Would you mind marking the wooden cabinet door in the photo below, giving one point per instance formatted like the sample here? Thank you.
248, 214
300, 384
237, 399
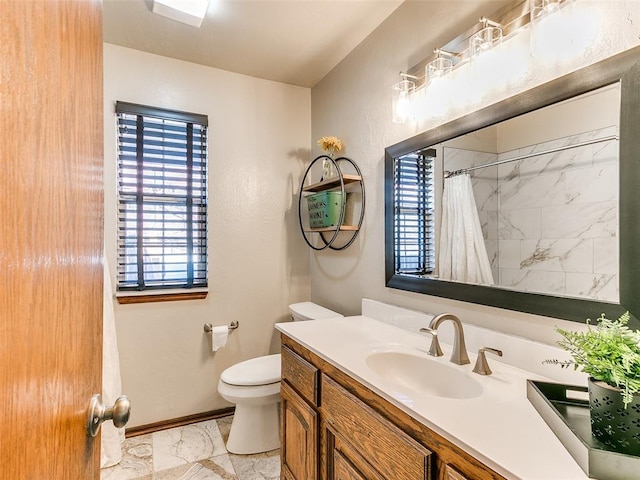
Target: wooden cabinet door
342, 460
344, 470
299, 442
51, 161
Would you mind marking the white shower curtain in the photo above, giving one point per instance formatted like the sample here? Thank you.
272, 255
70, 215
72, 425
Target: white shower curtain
112, 437
463, 254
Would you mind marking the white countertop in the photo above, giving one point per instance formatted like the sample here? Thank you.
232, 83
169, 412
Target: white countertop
500, 427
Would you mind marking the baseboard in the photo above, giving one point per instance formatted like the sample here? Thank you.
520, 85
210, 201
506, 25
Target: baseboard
177, 422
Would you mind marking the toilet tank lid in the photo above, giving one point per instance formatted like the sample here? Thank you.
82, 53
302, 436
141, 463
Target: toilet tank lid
255, 371
312, 311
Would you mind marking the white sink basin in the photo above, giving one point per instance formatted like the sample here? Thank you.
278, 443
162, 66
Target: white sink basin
420, 373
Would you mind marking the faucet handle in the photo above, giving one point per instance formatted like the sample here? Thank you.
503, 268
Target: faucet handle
482, 366
434, 349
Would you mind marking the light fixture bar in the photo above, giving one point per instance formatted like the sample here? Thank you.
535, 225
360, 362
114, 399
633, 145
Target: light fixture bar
511, 19
443, 53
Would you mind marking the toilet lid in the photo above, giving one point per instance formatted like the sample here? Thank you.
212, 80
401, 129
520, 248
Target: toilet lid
256, 371
311, 311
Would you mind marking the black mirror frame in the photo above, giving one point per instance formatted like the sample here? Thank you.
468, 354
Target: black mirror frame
623, 68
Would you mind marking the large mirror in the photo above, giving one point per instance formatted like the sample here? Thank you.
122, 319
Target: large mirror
529, 204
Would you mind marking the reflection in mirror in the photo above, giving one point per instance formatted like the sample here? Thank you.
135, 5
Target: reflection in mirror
546, 181
544, 189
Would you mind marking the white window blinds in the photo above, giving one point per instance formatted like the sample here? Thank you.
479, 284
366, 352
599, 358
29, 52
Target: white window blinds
414, 213
162, 198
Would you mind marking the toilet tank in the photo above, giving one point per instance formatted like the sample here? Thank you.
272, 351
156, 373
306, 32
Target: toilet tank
310, 311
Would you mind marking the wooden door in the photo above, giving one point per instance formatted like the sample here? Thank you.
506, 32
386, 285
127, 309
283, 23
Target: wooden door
299, 431
51, 224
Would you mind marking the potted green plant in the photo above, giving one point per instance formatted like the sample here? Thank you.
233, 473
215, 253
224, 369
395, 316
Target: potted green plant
610, 354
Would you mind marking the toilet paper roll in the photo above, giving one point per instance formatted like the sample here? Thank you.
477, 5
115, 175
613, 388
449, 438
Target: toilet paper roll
219, 337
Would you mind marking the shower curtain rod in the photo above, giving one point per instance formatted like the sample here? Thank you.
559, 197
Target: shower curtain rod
448, 174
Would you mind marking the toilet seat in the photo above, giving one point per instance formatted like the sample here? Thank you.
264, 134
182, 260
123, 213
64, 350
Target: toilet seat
250, 395
253, 372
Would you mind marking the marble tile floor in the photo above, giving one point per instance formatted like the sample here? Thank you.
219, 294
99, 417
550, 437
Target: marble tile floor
192, 452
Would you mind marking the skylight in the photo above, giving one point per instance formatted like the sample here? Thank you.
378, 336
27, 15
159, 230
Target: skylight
191, 12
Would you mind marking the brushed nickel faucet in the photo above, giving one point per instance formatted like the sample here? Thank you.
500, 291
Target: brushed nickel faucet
434, 349
482, 366
459, 354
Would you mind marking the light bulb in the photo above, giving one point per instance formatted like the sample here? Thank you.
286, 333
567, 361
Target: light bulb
484, 40
549, 34
438, 68
402, 104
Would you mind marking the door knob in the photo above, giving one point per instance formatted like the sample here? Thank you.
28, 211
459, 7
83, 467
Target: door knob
98, 413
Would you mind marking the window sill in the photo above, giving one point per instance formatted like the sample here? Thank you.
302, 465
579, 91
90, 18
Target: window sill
160, 297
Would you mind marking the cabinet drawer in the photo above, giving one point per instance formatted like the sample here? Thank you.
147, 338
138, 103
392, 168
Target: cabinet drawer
301, 375
394, 454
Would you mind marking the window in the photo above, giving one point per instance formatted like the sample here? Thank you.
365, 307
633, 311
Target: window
413, 205
162, 198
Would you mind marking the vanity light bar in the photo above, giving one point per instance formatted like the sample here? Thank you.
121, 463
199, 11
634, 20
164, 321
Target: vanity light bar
511, 19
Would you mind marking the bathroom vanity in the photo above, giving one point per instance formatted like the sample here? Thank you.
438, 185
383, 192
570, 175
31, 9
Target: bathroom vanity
346, 415
335, 427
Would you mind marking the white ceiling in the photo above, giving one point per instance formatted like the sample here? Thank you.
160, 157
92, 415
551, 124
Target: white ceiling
292, 41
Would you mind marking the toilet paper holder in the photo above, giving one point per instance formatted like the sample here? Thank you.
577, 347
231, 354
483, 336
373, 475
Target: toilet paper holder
208, 328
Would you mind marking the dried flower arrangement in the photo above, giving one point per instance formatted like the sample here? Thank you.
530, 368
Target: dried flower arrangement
331, 145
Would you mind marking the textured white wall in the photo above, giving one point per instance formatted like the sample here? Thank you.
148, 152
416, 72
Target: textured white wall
353, 102
258, 263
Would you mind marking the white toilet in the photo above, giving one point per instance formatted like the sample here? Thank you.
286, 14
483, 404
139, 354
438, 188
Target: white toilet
254, 386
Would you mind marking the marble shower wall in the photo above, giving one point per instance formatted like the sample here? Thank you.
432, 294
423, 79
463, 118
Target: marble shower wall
485, 193
550, 222
558, 218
